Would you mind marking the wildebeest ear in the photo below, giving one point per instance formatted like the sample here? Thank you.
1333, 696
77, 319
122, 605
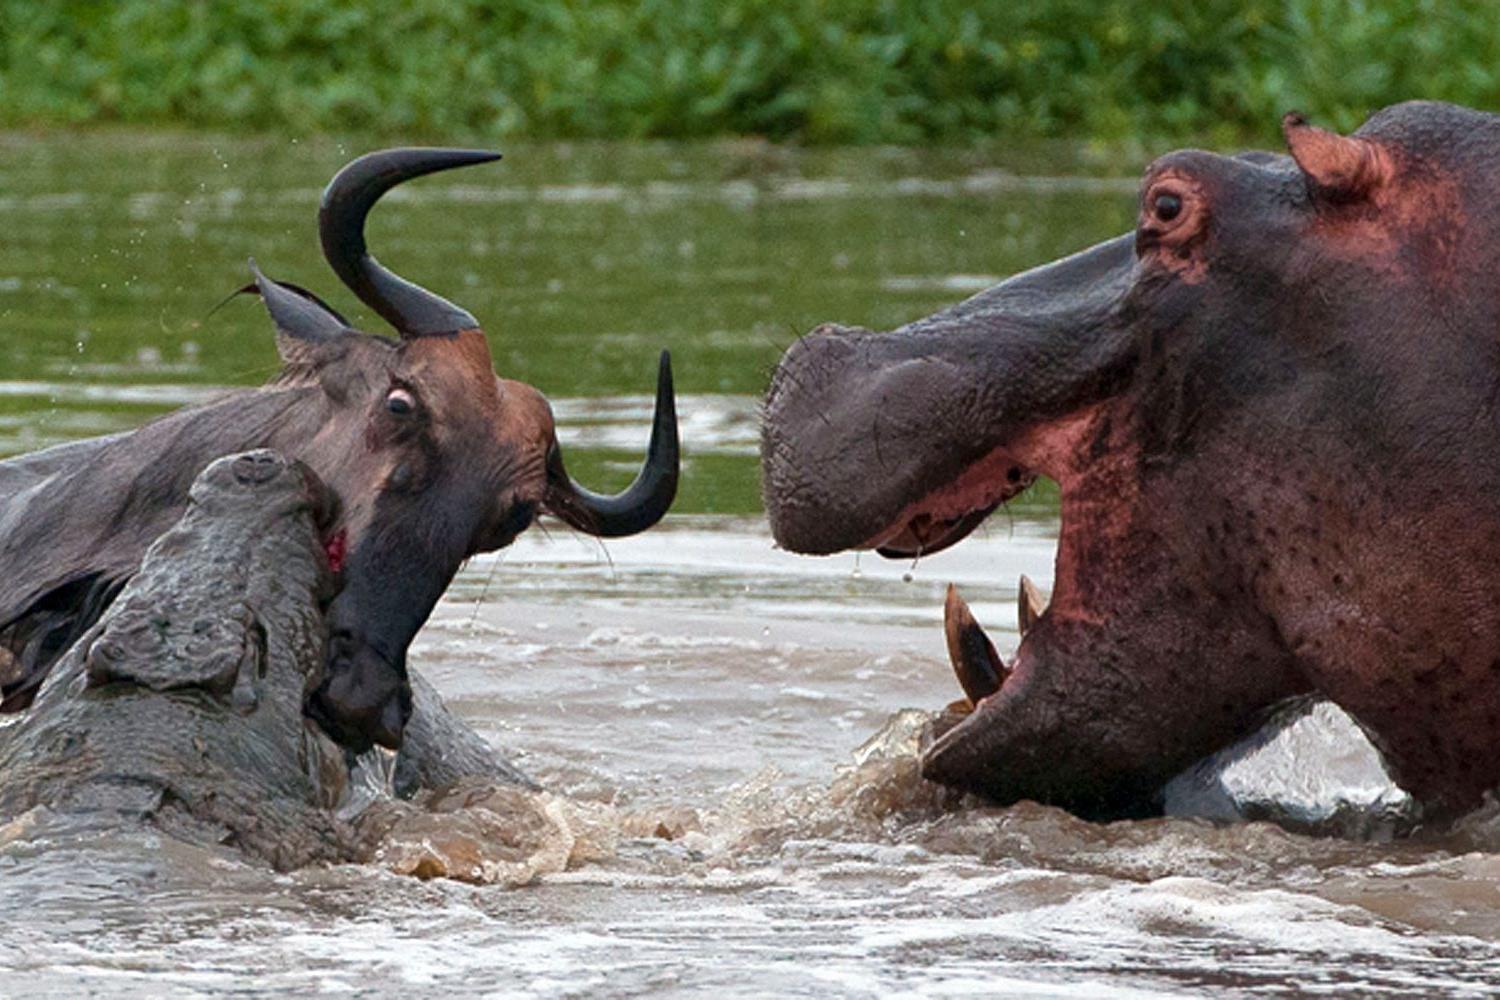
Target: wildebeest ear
1338, 168
303, 321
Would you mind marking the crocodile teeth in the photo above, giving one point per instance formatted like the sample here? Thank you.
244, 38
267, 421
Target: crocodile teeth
979, 668
1029, 604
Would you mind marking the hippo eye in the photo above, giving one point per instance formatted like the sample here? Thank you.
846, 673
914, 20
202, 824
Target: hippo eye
1167, 206
400, 402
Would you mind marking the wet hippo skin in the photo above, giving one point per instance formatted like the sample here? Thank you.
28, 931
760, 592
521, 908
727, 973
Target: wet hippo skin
1273, 413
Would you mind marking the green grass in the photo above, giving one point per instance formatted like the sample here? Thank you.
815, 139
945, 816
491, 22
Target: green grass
822, 71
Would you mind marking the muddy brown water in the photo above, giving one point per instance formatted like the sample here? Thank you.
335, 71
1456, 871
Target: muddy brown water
724, 730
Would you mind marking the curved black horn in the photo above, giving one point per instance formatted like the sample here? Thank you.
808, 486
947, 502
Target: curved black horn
410, 308
644, 501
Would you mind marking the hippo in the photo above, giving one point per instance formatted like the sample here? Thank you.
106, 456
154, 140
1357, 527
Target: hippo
182, 707
1273, 412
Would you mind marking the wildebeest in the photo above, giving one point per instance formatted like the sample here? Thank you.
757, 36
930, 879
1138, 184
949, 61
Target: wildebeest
432, 456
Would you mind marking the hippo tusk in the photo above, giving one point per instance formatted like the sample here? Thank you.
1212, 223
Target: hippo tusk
980, 670
1029, 604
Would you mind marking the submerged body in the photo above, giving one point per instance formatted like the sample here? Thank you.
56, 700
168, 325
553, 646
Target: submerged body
1272, 414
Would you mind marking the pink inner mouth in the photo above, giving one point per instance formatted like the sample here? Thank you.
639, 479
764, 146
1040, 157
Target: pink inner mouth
991, 481
336, 547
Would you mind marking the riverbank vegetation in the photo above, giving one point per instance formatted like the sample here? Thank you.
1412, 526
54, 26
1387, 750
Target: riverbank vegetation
816, 71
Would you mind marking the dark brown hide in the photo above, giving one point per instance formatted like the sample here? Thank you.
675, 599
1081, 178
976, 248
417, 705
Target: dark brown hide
1272, 412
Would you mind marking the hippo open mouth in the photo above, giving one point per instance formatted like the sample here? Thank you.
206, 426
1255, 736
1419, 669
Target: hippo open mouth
905, 442
1270, 413
949, 513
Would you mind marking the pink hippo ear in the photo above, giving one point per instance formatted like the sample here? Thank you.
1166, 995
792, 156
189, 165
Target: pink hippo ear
1338, 168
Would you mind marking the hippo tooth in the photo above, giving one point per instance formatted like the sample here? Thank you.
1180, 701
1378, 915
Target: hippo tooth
979, 668
1029, 604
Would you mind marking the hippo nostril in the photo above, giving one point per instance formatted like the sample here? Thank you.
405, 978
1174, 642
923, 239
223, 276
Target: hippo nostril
1013, 474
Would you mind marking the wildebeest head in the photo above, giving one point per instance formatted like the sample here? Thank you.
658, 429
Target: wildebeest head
434, 457
1271, 413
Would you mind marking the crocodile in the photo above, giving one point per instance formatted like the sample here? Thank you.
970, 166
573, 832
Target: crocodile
183, 706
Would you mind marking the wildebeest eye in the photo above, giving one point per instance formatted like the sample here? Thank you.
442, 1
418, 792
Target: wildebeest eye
1167, 206
400, 402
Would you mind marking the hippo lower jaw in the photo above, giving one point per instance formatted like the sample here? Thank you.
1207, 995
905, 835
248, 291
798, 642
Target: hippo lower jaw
957, 747
982, 674
1068, 717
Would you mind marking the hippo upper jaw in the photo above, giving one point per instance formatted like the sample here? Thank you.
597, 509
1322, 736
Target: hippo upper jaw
903, 441
949, 513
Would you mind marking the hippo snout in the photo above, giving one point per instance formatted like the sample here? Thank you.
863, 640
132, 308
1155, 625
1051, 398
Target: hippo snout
798, 444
